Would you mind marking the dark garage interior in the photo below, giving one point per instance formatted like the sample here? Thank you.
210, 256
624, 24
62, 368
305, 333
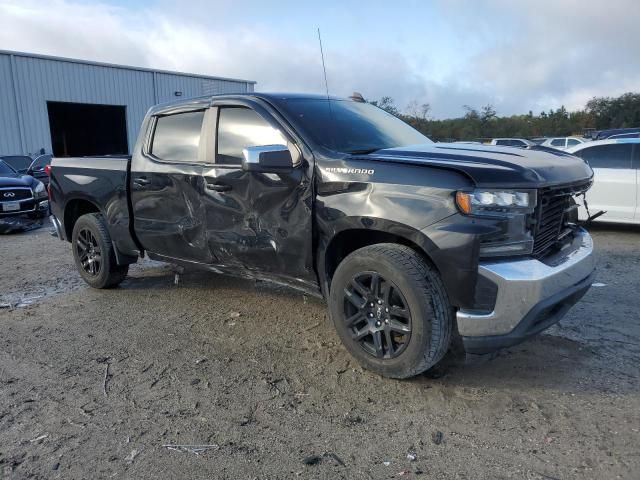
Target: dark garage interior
79, 129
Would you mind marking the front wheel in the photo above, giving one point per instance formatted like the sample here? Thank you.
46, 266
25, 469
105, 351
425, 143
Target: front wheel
93, 253
390, 310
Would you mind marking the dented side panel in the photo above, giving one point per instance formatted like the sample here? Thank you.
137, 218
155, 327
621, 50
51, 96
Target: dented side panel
168, 212
262, 224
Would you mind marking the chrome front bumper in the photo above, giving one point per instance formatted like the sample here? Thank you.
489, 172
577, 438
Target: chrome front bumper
529, 290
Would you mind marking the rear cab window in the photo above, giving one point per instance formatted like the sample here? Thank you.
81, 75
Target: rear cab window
176, 137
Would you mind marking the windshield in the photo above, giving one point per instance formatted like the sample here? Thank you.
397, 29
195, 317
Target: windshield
5, 169
18, 162
350, 127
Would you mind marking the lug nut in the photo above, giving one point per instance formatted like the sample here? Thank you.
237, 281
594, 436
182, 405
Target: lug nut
371, 304
386, 321
386, 310
379, 302
371, 315
377, 324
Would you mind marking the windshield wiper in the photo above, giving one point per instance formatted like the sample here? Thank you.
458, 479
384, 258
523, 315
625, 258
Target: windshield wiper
363, 151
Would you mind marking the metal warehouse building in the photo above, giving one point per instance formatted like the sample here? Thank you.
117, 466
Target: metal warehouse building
75, 107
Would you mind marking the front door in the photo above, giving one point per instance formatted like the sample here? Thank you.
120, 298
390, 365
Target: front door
257, 222
167, 189
614, 182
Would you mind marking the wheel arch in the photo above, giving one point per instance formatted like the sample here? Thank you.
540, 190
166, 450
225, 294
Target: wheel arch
73, 210
352, 237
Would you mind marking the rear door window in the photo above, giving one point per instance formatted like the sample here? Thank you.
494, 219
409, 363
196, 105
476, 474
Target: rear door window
572, 142
615, 155
557, 142
176, 137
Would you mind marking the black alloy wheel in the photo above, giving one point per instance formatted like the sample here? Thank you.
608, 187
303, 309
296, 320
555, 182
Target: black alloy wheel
390, 309
377, 314
94, 252
89, 253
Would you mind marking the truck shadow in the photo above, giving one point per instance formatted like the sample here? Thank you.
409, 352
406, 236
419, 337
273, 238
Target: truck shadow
547, 362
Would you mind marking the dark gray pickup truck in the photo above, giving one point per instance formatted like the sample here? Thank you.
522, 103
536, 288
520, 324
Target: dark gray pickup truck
410, 242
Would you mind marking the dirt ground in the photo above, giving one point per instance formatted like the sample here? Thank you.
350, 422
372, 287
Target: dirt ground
97, 384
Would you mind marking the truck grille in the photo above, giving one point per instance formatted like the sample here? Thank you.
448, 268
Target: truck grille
15, 194
553, 203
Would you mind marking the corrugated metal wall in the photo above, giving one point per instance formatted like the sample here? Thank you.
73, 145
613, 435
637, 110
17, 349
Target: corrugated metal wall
27, 83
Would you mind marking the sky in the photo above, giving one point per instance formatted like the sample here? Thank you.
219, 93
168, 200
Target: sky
515, 55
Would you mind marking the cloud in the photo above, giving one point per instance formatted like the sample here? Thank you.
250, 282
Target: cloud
555, 52
513, 55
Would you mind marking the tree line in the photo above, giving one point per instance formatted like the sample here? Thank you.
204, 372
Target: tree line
482, 123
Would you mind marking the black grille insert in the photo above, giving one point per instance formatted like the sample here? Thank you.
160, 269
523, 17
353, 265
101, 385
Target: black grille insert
553, 203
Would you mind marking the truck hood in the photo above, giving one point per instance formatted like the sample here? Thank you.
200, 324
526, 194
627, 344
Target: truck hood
16, 180
492, 166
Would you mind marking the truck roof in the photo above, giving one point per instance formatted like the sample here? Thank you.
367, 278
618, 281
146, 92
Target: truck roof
206, 99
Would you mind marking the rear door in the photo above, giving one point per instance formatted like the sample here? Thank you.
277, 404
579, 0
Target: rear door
167, 187
614, 188
257, 222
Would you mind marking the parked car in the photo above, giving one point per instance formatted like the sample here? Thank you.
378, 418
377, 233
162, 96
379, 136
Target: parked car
605, 134
24, 164
616, 187
512, 142
562, 143
408, 240
22, 197
624, 135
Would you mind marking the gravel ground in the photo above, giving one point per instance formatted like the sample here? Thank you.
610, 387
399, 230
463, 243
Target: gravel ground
100, 384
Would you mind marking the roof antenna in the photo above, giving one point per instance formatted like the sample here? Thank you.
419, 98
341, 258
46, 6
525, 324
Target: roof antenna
326, 86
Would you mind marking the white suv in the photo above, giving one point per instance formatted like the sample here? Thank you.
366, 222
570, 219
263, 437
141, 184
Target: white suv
562, 143
616, 186
512, 142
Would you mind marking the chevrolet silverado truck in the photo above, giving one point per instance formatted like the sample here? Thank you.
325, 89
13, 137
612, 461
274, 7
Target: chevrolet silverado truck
410, 242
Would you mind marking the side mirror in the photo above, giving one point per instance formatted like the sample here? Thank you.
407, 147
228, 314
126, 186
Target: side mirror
267, 159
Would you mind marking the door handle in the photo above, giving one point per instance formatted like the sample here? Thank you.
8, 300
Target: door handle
141, 181
218, 187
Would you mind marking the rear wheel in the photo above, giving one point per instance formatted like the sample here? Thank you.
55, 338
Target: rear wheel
93, 253
390, 310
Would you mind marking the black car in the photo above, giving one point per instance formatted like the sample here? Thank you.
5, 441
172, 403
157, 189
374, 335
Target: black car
22, 197
29, 166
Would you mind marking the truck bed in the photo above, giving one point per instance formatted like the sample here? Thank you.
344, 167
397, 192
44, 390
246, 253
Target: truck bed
100, 183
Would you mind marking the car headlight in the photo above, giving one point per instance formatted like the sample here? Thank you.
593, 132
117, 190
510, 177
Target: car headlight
496, 202
39, 190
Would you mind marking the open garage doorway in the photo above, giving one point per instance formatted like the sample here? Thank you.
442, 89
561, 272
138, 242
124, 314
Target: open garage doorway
79, 129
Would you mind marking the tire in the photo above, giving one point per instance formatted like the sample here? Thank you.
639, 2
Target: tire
419, 320
98, 266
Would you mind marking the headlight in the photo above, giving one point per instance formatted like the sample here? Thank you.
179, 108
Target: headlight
39, 190
496, 202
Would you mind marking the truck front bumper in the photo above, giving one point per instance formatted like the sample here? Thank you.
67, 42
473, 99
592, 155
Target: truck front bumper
532, 296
